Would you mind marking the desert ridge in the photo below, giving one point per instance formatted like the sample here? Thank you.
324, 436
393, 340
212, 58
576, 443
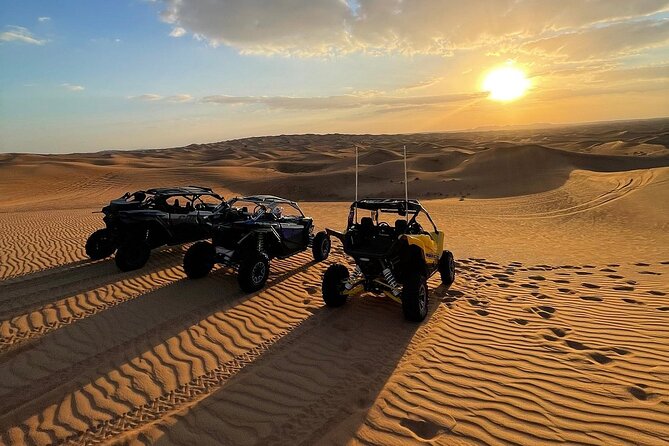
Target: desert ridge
492, 164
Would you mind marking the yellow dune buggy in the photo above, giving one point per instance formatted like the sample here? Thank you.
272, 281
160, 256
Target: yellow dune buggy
395, 260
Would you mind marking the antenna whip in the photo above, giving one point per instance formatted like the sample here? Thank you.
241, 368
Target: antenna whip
356, 173
406, 186
356, 183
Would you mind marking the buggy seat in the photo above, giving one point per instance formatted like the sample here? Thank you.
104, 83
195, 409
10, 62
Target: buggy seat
364, 239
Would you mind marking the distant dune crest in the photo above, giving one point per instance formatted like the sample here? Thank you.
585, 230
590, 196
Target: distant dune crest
489, 164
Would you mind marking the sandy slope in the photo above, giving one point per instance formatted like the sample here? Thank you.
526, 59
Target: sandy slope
554, 332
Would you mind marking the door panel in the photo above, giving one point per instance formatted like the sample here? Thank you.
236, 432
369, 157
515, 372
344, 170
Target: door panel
185, 227
293, 237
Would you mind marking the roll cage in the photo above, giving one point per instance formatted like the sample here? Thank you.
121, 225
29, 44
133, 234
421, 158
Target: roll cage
157, 198
264, 205
410, 209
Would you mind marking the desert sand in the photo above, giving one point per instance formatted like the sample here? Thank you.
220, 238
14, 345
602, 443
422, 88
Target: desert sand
555, 331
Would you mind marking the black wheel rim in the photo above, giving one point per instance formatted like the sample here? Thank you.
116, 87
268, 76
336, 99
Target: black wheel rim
325, 247
451, 268
258, 272
422, 300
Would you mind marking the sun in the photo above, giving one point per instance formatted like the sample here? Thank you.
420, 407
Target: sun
506, 84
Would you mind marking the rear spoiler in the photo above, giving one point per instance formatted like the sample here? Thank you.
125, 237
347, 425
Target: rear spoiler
333, 233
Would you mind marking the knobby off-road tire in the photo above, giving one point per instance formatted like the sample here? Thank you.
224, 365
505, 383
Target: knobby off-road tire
133, 253
253, 272
447, 268
199, 260
332, 286
321, 245
415, 297
100, 244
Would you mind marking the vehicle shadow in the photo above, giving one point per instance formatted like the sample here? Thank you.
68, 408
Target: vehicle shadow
116, 339
329, 369
28, 293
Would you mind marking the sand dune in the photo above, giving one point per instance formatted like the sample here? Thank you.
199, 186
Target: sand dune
475, 164
555, 331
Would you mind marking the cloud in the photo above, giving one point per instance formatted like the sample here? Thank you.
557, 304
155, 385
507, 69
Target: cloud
43, 19
420, 85
146, 97
616, 39
179, 98
72, 87
151, 97
339, 102
20, 34
317, 27
177, 32
652, 72
260, 26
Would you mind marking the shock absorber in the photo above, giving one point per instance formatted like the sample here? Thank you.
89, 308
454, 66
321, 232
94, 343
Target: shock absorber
390, 280
261, 243
353, 278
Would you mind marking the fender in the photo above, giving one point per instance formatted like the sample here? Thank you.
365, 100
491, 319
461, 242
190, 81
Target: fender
336, 234
428, 246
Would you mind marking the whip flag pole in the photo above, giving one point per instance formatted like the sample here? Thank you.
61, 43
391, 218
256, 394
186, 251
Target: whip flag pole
356, 183
356, 173
406, 186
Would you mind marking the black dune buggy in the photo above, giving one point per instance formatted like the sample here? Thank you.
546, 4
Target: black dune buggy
396, 260
249, 233
144, 220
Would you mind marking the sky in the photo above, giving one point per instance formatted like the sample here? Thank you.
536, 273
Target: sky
93, 75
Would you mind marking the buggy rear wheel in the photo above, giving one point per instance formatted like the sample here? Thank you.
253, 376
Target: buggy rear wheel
447, 268
253, 272
414, 297
133, 253
333, 285
100, 244
199, 260
320, 247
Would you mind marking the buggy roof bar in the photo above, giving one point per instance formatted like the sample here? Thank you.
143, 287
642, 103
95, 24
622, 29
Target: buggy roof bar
187, 190
264, 199
388, 204
395, 205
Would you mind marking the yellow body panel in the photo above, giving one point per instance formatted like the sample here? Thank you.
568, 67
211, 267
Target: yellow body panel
431, 244
355, 290
393, 297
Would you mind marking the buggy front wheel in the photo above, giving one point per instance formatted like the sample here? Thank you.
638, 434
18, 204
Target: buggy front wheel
414, 297
133, 254
447, 268
100, 244
320, 246
333, 285
253, 272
